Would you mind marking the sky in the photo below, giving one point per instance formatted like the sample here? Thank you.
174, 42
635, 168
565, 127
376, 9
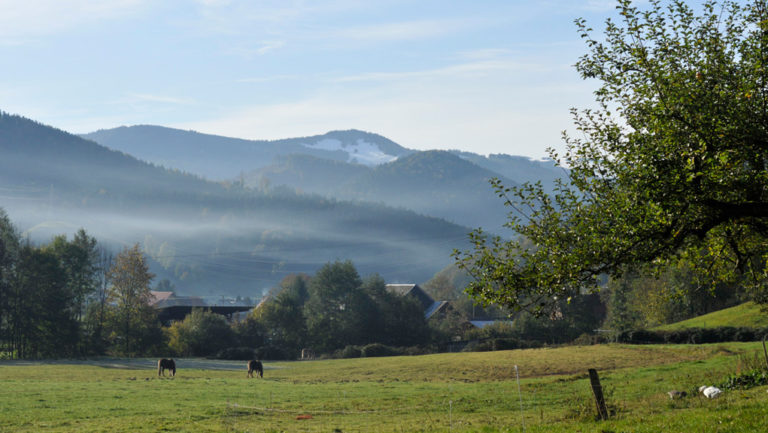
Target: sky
483, 76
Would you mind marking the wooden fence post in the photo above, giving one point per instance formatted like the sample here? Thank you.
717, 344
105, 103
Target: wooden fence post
765, 352
597, 389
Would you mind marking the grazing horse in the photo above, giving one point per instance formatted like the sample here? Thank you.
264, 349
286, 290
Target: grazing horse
255, 365
307, 354
164, 364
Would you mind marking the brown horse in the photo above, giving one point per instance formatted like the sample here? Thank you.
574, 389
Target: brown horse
166, 364
255, 365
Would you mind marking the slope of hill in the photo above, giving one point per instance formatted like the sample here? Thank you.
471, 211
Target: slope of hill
749, 315
436, 183
208, 238
221, 158
518, 168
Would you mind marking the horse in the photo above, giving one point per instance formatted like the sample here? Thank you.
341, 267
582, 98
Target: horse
307, 354
164, 364
255, 365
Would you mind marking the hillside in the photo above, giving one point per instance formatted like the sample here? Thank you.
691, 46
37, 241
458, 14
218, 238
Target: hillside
436, 183
208, 238
518, 168
748, 315
222, 158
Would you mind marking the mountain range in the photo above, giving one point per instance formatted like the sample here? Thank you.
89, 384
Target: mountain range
225, 216
345, 165
223, 158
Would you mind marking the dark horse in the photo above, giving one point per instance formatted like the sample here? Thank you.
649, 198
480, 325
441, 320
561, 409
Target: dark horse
166, 364
255, 365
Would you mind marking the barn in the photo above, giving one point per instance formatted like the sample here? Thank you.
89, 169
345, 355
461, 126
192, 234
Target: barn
431, 307
171, 308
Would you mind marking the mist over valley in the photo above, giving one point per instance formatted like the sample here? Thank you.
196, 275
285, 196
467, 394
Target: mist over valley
223, 216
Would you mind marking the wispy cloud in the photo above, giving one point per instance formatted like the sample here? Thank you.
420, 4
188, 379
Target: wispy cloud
261, 49
214, 3
271, 78
465, 69
162, 99
399, 31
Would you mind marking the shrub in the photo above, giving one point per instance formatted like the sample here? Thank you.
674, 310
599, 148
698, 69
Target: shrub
377, 349
590, 339
349, 351
747, 380
691, 335
419, 350
275, 353
202, 333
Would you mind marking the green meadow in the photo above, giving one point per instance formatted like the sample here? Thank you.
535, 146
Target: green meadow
462, 392
748, 315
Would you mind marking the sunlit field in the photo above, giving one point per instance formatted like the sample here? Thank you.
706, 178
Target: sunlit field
467, 392
748, 315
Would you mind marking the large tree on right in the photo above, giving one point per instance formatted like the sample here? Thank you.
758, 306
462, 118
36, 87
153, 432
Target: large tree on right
672, 164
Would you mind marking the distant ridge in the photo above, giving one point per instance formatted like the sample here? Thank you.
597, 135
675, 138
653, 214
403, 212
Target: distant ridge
221, 158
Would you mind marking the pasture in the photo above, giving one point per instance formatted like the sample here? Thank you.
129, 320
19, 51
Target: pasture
748, 315
464, 392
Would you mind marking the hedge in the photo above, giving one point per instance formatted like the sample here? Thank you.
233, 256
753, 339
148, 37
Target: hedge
691, 335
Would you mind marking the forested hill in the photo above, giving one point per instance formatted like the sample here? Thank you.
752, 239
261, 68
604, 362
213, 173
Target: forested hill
437, 183
208, 238
223, 158
34, 155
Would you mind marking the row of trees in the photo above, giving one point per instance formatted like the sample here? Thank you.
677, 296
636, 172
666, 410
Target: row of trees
72, 298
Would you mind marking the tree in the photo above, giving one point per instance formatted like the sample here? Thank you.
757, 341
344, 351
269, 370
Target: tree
39, 320
98, 307
337, 308
46, 325
202, 333
9, 250
671, 295
283, 314
671, 165
133, 320
78, 260
397, 320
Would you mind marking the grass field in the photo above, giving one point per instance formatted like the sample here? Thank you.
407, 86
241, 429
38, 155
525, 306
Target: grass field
747, 315
466, 392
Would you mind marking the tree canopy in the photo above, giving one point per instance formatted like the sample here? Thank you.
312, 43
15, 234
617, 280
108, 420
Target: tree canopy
134, 321
670, 166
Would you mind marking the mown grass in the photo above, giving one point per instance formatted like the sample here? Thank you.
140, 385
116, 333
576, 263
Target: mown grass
467, 392
747, 315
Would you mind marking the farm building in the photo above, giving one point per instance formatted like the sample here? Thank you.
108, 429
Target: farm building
172, 308
431, 307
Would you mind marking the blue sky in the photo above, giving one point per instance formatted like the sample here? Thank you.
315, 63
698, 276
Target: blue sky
483, 76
